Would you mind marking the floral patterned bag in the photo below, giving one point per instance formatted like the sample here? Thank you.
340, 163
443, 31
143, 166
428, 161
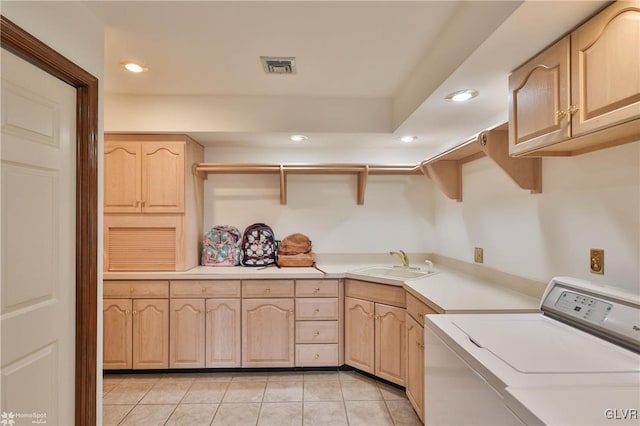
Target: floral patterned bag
258, 246
221, 246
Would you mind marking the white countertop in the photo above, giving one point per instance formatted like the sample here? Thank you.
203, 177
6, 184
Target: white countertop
447, 291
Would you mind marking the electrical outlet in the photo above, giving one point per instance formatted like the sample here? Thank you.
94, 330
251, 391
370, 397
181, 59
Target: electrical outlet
478, 255
596, 261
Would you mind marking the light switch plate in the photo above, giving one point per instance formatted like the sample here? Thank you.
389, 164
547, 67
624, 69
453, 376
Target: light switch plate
478, 255
596, 261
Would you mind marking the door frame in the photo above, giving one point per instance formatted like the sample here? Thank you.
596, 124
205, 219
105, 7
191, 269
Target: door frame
29, 48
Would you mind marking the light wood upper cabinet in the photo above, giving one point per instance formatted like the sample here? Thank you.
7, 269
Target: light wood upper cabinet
605, 68
187, 333
150, 333
117, 330
390, 343
359, 334
268, 333
144, 177
582, 93
223, 333
539, 95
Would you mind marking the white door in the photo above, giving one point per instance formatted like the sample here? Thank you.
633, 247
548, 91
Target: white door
37, 298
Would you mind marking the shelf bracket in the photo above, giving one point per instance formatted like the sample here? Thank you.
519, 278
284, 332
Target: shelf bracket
362, 183
447, 175
283, 186
526, 172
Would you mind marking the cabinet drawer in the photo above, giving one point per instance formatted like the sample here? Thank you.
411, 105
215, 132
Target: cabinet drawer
204, 289
317, 309
317, 332
316, 355
417, 309
267, 288
316, 288
136, 289
381, 293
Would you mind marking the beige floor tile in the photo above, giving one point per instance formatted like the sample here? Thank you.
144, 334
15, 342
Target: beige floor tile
127, 393
280, 414
390, 393
402, 413
283, 392
244, 392
325, 376
177, 377
113, 414
142, 378
237, 414
367, 413
286, 377
166, 393
108, 387
355, 390
322, 391
324, 413
250, 377
192, 415
213, 377
205, 393
148, 415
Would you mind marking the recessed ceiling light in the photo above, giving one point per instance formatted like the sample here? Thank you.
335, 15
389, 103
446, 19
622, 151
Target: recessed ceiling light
462, 95
133, 66
298, 138
407, 139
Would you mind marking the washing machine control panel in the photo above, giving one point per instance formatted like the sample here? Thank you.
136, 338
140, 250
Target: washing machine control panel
585, 307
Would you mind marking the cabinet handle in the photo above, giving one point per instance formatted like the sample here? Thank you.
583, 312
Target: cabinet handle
143, 202
560, 114
127, 312
316, 310
290, 311
203, 289
317, 356
135, 312
268, 290
371, 315
317, 333
572, 109
136, 204
199, 311
410, 327
317, 290
131, 290
377, 317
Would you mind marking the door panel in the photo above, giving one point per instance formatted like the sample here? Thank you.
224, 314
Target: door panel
223, 333
163, 177
187, 333
267, 333
122, 177
359, 334
390, 343
150, 333
116, 320
37, 242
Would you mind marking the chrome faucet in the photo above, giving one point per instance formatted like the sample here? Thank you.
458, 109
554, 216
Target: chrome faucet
403, 256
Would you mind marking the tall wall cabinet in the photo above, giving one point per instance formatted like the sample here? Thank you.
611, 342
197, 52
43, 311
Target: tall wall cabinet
153, 203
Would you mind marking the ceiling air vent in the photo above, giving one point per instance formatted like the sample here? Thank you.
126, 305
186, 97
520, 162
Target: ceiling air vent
274, 65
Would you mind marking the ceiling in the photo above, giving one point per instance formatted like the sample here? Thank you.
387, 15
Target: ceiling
397, 58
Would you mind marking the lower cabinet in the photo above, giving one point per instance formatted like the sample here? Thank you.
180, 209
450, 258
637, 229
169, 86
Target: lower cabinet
415, 366
187, 333
222, 342
268, 333
136, 333
375, 331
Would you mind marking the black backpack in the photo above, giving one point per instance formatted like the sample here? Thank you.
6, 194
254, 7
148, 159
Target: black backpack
258, 246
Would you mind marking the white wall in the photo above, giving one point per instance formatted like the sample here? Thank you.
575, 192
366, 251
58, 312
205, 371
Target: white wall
72, 30
588, 201
397, 213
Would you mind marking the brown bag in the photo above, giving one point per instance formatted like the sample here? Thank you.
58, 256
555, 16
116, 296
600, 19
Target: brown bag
295, 250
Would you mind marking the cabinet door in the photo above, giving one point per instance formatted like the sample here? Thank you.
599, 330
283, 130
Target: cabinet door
163, 177
359, 334
150, 333
605, 68
186, 345
122, 177
415, 366
539, 99
390, 343
223, 333
267, 333
117, 334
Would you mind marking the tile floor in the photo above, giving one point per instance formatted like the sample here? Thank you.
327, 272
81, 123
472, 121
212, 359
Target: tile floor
287, 398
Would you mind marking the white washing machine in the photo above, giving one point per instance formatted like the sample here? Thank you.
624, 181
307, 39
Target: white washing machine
575, 363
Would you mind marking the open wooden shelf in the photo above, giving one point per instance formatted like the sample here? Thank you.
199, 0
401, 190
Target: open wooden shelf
361, 170
445, 169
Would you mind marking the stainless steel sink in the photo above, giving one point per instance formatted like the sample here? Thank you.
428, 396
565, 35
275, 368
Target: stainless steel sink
393, 272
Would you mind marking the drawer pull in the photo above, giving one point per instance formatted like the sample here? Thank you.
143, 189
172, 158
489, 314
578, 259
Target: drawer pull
317, 333
317, 290
135, 312
131, 290
199, 311
317, 356
127, 311
316, 310
371, 315
290, 311
410, 327
267, 290
203, 289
